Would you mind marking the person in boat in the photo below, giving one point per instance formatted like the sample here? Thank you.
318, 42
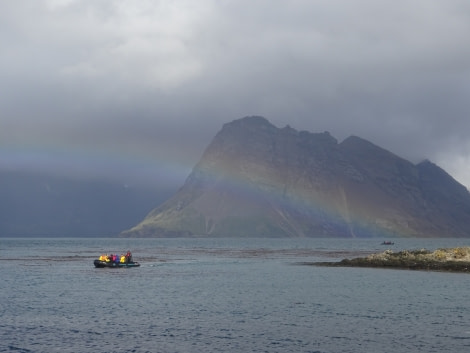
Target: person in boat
128, 257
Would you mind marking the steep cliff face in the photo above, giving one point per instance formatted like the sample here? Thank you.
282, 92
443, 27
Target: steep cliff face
255, 179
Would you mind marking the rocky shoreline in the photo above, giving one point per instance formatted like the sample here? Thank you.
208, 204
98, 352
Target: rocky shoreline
450, 260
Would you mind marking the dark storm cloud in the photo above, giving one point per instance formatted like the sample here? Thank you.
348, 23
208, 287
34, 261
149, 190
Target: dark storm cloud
156, 80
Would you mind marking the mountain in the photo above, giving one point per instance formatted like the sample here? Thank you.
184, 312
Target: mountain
39, 204
257, 180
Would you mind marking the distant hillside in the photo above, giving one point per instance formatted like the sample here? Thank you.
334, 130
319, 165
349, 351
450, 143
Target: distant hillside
257, 180
34, 204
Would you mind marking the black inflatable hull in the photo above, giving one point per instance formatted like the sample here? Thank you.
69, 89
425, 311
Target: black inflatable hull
103, 264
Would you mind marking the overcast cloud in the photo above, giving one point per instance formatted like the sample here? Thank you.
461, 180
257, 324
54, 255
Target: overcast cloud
132, 85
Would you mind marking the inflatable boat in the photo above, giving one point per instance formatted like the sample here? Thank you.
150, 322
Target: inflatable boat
102, 264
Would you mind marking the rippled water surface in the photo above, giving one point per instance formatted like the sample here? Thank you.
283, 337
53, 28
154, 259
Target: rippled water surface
209, 295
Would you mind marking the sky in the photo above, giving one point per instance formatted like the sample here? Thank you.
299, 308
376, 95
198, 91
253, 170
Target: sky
138, 88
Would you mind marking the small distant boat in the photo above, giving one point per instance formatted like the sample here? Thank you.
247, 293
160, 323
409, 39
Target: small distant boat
388, 243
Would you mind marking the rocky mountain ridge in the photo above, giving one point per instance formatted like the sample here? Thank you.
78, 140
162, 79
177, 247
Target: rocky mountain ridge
257, 180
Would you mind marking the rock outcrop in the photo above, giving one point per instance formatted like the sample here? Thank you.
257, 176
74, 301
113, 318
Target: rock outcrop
450, 260
257, 180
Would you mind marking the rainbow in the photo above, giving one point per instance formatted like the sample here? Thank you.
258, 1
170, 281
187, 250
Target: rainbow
354, 219
162, 169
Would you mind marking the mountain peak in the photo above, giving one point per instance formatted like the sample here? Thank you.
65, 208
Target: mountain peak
255, 179
250, 122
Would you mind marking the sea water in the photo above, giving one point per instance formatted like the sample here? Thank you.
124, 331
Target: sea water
226, 295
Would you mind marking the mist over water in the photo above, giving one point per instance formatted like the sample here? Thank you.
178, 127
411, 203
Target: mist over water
225, 295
